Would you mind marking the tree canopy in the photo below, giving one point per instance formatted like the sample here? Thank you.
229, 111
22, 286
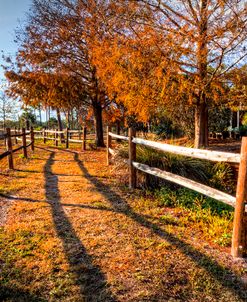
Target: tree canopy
147, 56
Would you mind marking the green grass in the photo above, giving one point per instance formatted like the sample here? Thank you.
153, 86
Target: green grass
213, 218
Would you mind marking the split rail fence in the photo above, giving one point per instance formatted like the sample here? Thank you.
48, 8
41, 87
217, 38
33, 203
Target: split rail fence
239, 243
66, 136
11, 138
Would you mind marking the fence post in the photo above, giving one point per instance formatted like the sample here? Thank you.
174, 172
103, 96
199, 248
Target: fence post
24, 142
238, 223
9, 145
67, 138
32, 138
5, 139
84, 138
108, 145
132, 157
16, 136
56, 137
44, 135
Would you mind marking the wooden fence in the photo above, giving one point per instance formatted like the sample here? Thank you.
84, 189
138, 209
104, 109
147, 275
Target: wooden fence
239, 227
11, 138
66, 136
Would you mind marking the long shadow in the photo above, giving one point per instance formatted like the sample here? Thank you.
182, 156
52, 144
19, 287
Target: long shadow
92, 282
18, 295
225, 276
39, 172
10, 197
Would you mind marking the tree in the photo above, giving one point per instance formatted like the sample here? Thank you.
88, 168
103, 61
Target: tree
183, 47
57, 40
28, 116
8, 107
237, 81
46, 89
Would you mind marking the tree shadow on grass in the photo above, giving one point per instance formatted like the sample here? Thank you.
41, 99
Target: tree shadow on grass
223, 275
92, 282
8, 293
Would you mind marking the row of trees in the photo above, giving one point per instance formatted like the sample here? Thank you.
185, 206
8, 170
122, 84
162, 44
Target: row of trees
13, 115
135, 58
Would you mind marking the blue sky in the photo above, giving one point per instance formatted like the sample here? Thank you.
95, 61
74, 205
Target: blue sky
11, 12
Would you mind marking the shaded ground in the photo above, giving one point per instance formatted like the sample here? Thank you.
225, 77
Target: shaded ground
225, 145
74, 234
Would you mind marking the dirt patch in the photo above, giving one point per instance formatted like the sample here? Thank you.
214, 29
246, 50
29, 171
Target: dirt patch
4, 205
225, 145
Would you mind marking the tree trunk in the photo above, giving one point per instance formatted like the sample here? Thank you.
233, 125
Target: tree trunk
48, 117
40, 116
72, 119
201, 125
118, 128
98, 122
27, 124
68, 118
201, 111
60, 125
4, 120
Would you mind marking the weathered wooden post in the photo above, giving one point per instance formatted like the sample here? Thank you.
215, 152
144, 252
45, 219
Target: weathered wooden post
132, 157
56, 137
32, 138
5, 138
44, 135
9, 146
61, 136
24, 142
79, 134
238, 223
84, 138
67, 138
108, 145
16, 142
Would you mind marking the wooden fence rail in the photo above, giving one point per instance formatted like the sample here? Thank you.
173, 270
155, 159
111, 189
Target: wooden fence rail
8, 136
239, 227
29, 137
66, 136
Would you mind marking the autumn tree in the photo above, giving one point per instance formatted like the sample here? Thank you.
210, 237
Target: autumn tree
8, 106
8, 110
237, 81
56, 91
57, 38
174, 50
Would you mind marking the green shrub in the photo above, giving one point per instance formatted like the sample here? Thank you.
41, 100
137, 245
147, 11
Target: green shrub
185, 166
222, 177
243, 130
191, 200
219, 175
